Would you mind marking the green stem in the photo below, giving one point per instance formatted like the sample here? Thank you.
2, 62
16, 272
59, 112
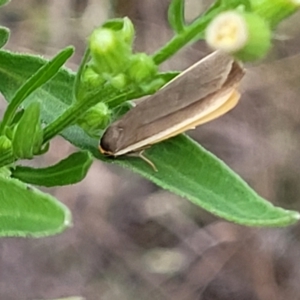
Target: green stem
79, 73
189, 33
70, 116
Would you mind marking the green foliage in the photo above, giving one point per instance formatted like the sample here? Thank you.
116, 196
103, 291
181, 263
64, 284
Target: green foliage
188, 170
3, 2
200, 177
25, 211
68, 171
4, 36
274, 11
45, 73
28, 134
42, 92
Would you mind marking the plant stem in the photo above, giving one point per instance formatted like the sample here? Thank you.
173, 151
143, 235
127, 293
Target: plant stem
79, 73
180, 40
69, 117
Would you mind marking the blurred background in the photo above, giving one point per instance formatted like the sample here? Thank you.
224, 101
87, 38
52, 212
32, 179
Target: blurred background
132, 240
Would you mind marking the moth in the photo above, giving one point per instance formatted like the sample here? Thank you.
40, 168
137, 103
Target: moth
201, 93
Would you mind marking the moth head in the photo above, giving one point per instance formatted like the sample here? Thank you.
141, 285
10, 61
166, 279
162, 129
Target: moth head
110, 140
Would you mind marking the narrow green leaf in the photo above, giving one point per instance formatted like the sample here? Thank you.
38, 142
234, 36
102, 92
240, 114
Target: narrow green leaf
68, 171
5, 172
188, 170
176, 15
3, 2
4, 36
16, 69
167, 76
184, 167
26, 211
45, 73
28, 134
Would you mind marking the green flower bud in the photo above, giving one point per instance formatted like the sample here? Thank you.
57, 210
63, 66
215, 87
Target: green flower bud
245, 35
274, 11
119, 81
110, 53
91, 78
95, 119
141, 68
111, 46
5, 143
124, 26
128, 31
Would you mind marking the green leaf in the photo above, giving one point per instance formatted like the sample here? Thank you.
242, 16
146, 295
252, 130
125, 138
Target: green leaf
4, 36
5, 172
3, 2
28, 134
68, 171
167, 76
45, 73
17, 68
188, 170
176, 15
184, 167
26, 211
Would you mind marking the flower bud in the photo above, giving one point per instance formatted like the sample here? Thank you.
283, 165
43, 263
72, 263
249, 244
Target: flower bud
5, 143
111, 46
95, 119
119, 81
91, 78
109, 52
245, 35
124, 27
141, 68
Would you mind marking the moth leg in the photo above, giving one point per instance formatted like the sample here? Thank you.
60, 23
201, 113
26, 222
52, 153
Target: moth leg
139, 153
148, 161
